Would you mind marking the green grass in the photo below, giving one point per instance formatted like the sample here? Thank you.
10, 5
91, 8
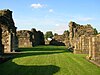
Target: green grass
48, 60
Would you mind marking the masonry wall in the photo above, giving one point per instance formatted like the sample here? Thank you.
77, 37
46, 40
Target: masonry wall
24, 42
8, 37
88, 45
31, 38
77, 30
85, 41
24, 38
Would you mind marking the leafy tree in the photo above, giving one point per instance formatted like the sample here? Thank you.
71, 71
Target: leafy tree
55, 34
95, 31
48, 34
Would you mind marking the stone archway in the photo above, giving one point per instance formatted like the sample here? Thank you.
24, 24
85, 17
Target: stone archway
8, 38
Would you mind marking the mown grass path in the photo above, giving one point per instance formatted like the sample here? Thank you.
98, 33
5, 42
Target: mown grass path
48, 60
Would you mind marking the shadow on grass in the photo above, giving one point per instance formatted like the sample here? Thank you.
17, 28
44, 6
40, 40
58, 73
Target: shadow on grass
38, 51
45, 48
12, 68
17, 55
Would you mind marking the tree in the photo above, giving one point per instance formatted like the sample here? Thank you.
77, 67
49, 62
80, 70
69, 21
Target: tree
95, 31
48, 34
55, 34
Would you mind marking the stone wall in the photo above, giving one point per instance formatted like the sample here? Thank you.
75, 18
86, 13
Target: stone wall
9, 41
60, 40
37, 37
77, 30
94, 49
30, 38
84, 41
24, 38
81, 45
88, 45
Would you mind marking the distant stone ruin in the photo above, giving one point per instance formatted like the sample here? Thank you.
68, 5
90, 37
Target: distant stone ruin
58, 40
31, 38
8, 38
37, 37
24, 38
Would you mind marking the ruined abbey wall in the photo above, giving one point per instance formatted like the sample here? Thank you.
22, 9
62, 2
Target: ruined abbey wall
31, 38
84, 41
8, 38
24, 38
77, 30
88, 45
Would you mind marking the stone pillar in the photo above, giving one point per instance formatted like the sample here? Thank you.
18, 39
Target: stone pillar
75, 48
10, 42
80, 39
71, 34
90, 48
94, 48
15, 42
83, 44
77, 45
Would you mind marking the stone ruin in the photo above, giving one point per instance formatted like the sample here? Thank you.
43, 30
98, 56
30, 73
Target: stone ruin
8, 38
24, 38
58, 40
31, 38
37, 37
77, 30
89, 45
81, 38
84, 41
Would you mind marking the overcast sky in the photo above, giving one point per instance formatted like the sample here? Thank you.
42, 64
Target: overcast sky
53, 15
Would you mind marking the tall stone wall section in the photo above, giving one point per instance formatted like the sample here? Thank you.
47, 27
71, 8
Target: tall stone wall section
84, 41
77, 30
8, 38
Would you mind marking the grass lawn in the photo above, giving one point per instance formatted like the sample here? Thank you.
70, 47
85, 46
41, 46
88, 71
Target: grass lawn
48, 60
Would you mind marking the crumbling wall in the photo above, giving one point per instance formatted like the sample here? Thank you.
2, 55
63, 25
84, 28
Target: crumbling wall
31, 38
9, 40
24, 38
85, 41
89, 45
37, 37
81, 45
94, 49
77, 30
